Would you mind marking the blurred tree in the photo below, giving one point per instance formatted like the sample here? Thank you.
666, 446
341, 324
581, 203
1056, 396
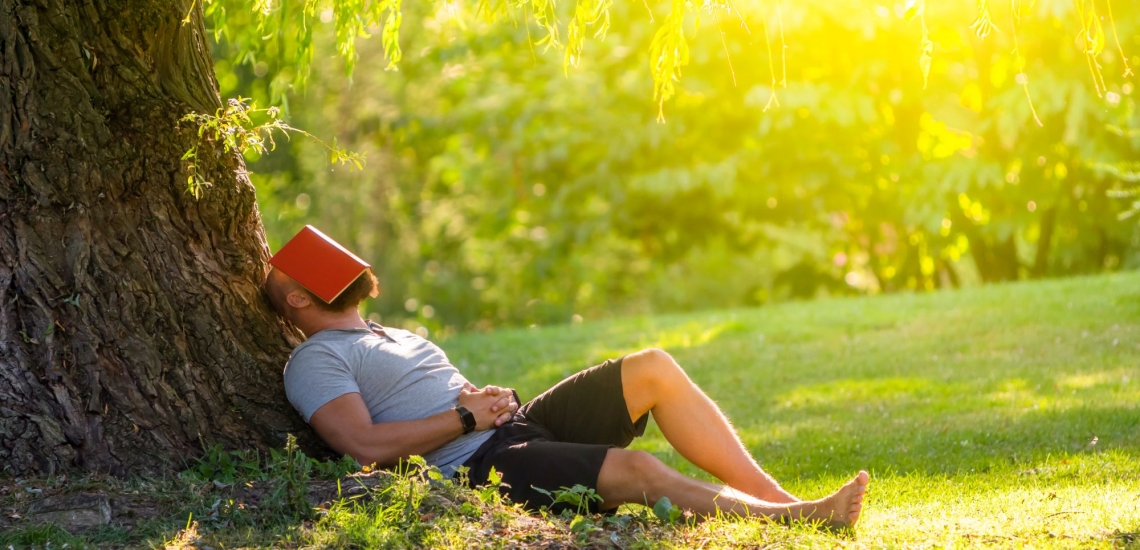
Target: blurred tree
503, 192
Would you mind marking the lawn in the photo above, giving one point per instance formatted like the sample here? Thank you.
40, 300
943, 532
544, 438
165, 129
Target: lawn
1004, 416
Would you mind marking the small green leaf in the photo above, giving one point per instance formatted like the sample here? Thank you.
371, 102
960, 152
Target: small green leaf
580, 524
662, 509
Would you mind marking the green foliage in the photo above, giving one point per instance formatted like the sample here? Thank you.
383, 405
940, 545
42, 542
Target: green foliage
218, 464
234, 128
667, 54
489, 492
504, 191
228, 467
666, 511
578, 496
1126, 174
287, 471
283, 32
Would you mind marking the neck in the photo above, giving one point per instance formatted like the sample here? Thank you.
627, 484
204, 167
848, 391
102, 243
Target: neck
324, 320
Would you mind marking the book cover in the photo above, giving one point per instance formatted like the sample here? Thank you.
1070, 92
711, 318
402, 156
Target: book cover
318, 263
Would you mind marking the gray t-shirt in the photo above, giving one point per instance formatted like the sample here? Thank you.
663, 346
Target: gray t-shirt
398, 374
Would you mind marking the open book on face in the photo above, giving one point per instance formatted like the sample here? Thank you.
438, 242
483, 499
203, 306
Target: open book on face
318, 263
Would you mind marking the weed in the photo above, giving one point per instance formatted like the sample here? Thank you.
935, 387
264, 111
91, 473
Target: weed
578, 497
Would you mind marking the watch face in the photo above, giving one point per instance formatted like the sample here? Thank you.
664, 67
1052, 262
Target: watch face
468, 418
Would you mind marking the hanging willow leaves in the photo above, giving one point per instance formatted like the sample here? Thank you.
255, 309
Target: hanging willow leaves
587, 14
1116, 38
667, 54
917, 9
983, 25
281, 33
1022, 78
391, 34
1091, 42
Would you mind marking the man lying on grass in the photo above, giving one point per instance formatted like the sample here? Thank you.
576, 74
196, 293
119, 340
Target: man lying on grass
381, 395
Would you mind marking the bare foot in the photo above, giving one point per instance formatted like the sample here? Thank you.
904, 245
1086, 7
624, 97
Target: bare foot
842, 509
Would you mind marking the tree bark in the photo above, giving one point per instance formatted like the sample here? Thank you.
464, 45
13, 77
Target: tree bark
133, 329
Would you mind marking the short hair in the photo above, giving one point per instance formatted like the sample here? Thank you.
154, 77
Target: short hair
365, 286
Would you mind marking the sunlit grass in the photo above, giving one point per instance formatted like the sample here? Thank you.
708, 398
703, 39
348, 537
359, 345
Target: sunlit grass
975, 411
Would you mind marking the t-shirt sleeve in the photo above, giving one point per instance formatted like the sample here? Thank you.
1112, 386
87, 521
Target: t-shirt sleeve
314, 376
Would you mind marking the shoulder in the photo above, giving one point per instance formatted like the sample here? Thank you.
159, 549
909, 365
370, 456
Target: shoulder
408, 336
399, 333
314, 353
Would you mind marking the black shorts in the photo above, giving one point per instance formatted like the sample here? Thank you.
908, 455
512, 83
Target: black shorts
559, 439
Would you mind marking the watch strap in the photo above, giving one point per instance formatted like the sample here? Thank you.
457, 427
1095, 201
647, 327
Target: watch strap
467, 417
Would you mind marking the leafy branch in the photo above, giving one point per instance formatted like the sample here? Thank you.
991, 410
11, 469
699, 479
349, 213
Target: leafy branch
233, 126
668, 52
1126, 174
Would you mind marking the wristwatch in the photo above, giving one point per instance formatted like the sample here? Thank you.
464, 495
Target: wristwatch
467, 417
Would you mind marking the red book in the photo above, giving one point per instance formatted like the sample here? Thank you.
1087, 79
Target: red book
318, 263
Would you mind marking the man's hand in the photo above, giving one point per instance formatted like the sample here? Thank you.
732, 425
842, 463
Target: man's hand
491, 405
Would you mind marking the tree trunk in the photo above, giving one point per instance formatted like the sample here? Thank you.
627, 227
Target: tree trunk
133, 330
1045, 242
996, 261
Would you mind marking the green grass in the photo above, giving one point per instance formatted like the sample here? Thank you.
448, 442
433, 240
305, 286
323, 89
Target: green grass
974, 411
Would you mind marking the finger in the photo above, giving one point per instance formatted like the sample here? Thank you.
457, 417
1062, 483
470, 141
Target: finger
502, 418
470, 387
501, 404
492, 390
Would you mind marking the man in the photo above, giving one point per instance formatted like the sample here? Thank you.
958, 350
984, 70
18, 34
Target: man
381, 395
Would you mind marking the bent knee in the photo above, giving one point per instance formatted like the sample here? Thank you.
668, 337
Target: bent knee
653, 367
651, 356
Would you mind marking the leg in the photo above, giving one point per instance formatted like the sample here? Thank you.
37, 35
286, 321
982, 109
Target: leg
693, 424
639, 477
587, 407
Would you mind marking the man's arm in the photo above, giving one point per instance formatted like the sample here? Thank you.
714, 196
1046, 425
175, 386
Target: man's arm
345, 424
